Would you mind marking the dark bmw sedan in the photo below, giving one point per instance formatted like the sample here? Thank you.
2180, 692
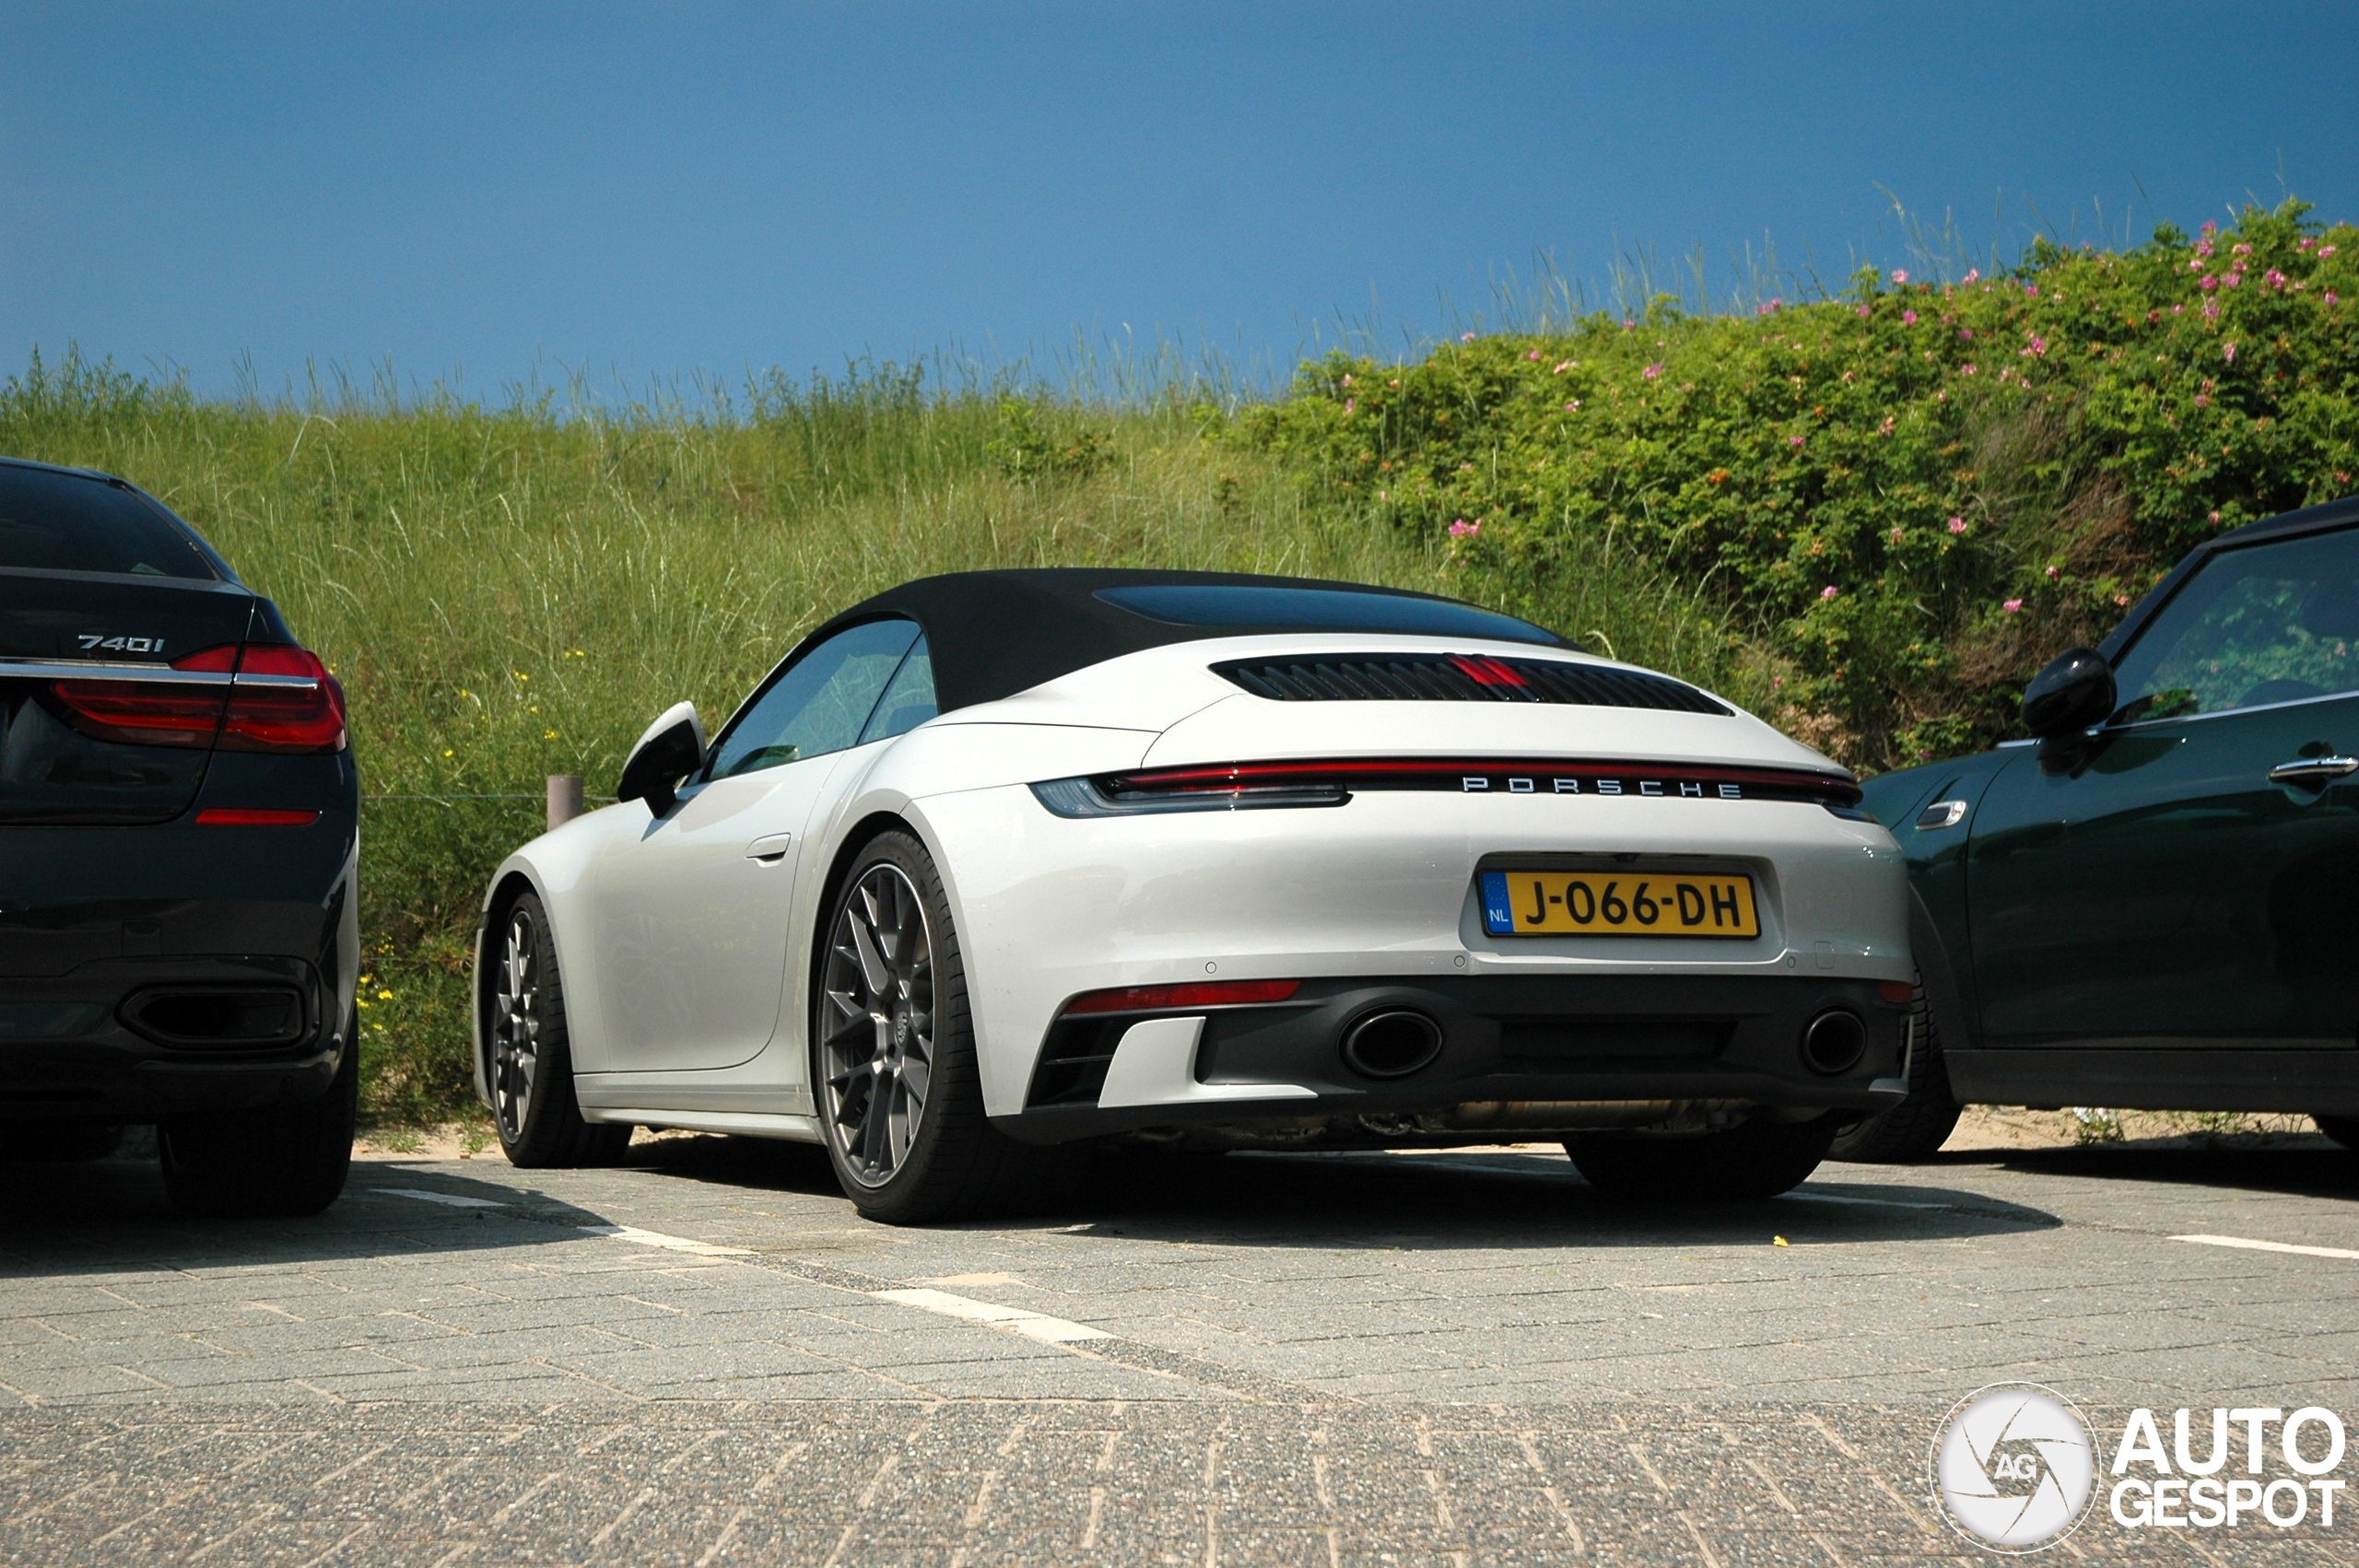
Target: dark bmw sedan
2153, 901
178, 841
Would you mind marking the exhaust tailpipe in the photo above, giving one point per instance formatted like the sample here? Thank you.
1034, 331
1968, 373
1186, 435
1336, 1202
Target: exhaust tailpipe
1391, 1044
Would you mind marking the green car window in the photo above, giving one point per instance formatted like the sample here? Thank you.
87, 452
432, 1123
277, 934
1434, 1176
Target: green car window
2258, 625
819, 703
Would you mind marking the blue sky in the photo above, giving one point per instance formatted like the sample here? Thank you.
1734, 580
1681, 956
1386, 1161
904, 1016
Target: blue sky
645, 191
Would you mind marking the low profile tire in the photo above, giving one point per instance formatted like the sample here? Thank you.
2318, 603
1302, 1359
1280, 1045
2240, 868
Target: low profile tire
1756, 1159
2343, 1130
287, 1160
530, 1070
1917, 1127
899, 1091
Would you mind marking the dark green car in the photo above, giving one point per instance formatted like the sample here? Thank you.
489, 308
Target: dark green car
2154, 902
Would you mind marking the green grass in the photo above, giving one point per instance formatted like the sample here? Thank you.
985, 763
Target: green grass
510, 593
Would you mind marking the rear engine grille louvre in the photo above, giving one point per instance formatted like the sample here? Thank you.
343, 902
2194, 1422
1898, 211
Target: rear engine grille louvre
1460, 678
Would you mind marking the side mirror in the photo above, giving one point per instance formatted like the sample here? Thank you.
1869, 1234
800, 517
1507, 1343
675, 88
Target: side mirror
2074, 691
672, 748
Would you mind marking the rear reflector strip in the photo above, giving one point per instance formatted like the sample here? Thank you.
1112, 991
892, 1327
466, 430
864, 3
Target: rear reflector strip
253, 816
1173, 998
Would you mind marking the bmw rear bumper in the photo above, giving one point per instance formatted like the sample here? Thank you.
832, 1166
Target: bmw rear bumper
150, 972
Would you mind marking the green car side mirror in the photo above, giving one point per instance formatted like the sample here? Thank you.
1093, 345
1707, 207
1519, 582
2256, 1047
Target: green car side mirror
2073, 691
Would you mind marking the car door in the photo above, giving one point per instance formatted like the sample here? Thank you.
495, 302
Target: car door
691, 914
2189, 874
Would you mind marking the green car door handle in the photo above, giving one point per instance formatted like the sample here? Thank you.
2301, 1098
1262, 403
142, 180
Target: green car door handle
2314, 772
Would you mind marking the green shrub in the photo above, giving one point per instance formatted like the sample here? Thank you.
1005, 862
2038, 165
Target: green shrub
1898, 503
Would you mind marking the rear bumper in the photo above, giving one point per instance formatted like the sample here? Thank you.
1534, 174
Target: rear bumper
150, 972
1530, 1054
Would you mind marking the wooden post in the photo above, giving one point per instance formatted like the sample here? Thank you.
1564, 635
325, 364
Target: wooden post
565, 797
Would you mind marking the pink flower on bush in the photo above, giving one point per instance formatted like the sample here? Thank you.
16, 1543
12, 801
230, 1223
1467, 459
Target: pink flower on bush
1957, 525
1900, 274
1562, 366
2211, 310
2210, 228
1907, 318
2012, 606
1466, 337
2325, 250
1534, 355
1351, 404
1965, 335
1793, 440
2240, 249
2055, 572
2202, 400
2230, 279
1651, 371
2330, 297
1973, 273
2036, 350
1898, 536
2208, 281
1969, 369
1861, 312
2228, 352
2274, 278
1827, 594
1463, 529
2204, 246
2032, 289
1572, 405
1348, 377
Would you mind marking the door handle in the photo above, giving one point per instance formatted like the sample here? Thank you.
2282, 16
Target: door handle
2314, 772
770, 849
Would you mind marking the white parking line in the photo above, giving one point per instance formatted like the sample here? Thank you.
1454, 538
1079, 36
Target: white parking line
2248, 1245
450, 1199
1031, 1325
638, 1237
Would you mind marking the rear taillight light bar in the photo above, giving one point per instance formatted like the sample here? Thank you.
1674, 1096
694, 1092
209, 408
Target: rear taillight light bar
252, 698
1251, 785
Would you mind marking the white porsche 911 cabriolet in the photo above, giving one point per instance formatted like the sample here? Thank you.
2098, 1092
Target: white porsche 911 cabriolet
997, 865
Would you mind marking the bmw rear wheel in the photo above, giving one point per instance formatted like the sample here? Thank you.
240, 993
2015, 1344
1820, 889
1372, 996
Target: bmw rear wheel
893, 1053
531, 1065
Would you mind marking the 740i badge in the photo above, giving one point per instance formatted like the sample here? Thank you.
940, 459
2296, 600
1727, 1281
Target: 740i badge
1525, 903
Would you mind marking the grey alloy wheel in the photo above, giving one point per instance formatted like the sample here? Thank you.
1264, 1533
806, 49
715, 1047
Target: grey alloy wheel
516, 1026
877, 1025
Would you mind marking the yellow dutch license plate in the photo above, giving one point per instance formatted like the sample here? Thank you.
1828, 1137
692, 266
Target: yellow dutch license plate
1518, 903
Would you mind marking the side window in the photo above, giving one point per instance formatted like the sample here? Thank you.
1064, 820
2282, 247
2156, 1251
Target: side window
2267, 622
819, 703
909, 701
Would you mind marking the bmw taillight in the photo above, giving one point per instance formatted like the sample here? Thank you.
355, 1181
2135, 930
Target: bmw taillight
178, 707
284, 700
252, 698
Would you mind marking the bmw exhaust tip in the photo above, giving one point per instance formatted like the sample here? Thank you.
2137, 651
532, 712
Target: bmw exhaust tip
1834, 1041
1391, 1044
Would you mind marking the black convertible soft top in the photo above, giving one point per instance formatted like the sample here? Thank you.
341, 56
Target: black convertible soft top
993, 634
